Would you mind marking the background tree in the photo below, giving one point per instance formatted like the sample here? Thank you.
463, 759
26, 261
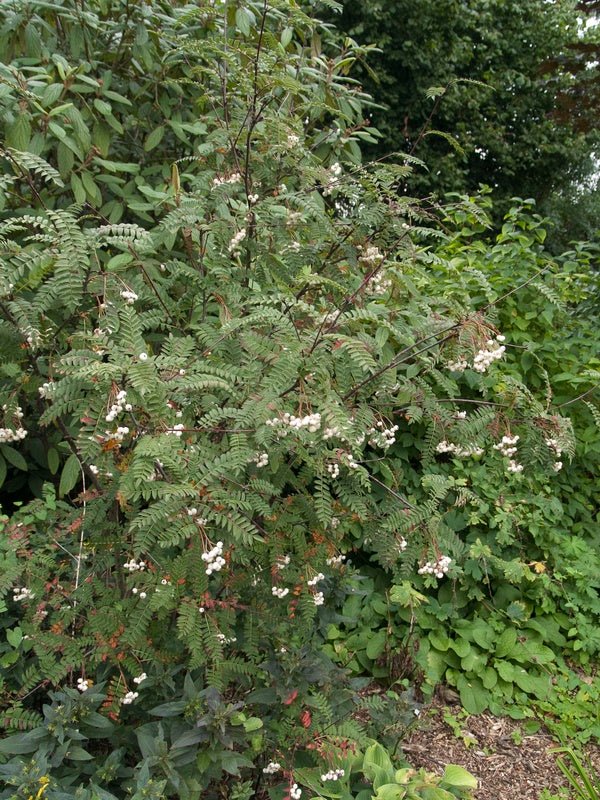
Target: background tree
522, 134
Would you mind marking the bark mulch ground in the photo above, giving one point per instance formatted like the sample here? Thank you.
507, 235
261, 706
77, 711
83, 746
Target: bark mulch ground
508, 764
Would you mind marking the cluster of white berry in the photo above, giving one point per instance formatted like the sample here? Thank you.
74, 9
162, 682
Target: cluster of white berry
177, 430
333, 775
129, 698
556, 449
140, 678
335, 170
272, 767
458, 450
32, 336
334, 522
319, 598
370, 256
13, 434
458, 366
118, 435
295, 792
331, 318
118, 406
219, 180
226, 639
260, 459
402, 544
283, 561
135, 566
379, 284
288, 422
335, 561
135, 590
313, 581
280, 593
507, 445
129, 296
438, 568
193, 513
83, 685
253, 199
293, 140
333, 470
22, 593
383, 437
333, 431
234, 244
214, 559
460, 415
349, 460
46, 389
494, 350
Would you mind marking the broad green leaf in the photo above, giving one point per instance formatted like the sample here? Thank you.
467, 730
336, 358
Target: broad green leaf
14, 457
376, 644
505, 669
18, 133
78, 189
53, 460
118, 262
439, 640
252, 724
455, 775
506, 642
473, 696
435, 793
70, 475
489, 677
461, 647
14, 636
76, 753
243, 20
154, 138
390, 791
102, 107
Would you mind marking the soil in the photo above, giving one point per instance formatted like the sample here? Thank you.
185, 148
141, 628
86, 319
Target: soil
508, 764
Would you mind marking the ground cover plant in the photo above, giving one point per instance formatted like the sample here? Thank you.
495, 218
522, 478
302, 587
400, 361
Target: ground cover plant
262, 412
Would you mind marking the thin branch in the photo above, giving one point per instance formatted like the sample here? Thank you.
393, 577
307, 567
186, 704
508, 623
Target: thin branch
394, 494
579, 397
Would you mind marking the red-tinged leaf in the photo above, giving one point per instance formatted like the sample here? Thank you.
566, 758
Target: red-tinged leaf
290, 698
306, 719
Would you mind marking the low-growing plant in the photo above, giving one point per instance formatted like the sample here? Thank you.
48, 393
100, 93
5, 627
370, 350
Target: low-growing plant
572, 712
583, 778
373, 776
457, 721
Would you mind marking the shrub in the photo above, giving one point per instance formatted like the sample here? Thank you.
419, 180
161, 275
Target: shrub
218, 396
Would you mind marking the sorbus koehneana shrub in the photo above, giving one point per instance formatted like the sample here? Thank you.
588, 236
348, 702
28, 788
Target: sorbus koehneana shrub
219, 393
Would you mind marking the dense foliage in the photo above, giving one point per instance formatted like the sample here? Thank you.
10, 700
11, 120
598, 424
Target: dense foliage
507, 85
266, 419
